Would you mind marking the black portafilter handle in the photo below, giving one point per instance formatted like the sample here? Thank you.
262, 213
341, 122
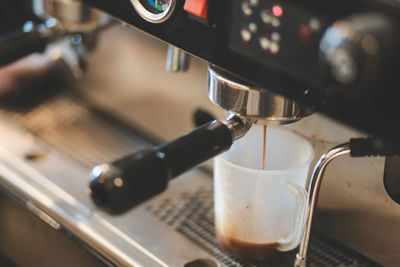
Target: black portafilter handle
118, 186
16, 45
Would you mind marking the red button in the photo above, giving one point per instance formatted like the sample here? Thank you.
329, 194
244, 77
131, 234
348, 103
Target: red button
197, 8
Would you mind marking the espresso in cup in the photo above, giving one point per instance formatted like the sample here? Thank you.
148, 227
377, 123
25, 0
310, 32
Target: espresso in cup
248, 250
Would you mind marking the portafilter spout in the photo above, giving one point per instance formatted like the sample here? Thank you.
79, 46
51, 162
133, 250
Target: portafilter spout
262, 105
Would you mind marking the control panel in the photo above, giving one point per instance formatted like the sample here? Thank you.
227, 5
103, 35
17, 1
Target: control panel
340, 57
278, 35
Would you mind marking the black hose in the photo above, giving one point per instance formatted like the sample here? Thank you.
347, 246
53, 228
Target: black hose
372, 147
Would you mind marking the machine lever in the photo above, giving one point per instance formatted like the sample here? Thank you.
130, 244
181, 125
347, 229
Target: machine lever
118, 186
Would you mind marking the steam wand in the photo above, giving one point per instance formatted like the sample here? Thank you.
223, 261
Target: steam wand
118, 186
357, 147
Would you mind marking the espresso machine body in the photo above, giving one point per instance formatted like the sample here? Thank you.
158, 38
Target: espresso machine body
303, 36
317, 54
283, 46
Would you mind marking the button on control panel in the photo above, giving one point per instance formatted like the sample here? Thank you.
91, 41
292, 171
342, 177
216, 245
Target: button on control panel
275, 33
197, 8
270, 17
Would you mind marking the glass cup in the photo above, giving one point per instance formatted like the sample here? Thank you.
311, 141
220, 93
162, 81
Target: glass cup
259, 212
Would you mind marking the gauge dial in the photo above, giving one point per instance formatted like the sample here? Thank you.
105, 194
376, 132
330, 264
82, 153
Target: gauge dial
156, 6
155, 11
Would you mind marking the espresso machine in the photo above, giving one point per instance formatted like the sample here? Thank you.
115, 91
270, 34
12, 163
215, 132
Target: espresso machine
326, 71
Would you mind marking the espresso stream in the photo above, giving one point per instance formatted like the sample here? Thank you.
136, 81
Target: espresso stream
253, 251
264, 146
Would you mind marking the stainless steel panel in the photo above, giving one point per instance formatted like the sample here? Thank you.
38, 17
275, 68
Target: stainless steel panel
55, 184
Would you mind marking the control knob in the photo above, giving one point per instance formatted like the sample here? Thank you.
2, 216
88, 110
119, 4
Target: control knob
360, 54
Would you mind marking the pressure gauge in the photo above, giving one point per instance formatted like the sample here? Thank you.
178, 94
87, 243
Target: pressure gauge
155, 11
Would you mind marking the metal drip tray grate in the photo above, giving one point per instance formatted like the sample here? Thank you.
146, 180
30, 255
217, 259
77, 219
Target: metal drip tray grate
192, 216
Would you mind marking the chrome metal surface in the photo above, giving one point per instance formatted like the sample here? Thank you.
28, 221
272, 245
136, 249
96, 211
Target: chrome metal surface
177, 59
56, 181
238, 125
313, 191
67, 136
46, 29
153, 17
73, 14
54, 243
260, 104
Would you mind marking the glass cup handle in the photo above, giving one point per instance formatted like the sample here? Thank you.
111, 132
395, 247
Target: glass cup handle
298, 224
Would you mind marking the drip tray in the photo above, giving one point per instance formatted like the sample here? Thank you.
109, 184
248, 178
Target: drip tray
181, 219
191, 215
